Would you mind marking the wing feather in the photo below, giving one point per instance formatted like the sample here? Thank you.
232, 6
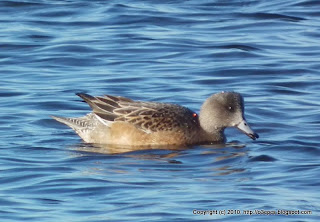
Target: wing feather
147, 116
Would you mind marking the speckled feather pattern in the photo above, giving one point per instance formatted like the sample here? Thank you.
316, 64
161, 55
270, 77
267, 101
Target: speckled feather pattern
147, 116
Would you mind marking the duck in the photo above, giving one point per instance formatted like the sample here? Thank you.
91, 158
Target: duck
118, 120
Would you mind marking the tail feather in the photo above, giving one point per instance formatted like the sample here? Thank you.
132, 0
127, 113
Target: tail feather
77, 124
71, 122
86, 126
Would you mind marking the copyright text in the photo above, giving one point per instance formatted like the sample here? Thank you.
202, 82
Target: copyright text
252, 212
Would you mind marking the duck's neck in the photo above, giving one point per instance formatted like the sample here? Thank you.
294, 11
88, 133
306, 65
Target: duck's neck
215, 135
209, 120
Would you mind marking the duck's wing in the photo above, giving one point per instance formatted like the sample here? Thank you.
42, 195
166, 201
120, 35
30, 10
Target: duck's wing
147, 116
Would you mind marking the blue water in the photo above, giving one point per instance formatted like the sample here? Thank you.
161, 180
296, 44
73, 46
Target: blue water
169, 51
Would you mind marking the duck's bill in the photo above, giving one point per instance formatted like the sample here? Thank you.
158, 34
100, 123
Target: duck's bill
244, 127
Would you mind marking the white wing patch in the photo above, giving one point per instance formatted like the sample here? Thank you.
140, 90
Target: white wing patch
104, 122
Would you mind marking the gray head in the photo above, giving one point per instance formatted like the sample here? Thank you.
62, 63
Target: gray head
222, 110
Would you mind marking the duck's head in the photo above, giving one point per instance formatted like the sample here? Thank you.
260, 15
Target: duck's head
222, 110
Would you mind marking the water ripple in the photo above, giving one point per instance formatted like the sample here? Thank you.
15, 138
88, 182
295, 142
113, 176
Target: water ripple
169, 51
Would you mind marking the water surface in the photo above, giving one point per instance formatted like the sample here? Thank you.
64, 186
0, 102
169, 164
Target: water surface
169, 51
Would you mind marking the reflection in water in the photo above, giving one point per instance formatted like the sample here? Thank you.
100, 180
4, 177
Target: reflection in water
226, 170
219, 158
118, 149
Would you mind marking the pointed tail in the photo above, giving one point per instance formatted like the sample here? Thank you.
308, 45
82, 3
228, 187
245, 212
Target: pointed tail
71, 122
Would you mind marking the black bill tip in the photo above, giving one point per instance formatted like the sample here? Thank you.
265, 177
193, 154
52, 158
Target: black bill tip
253, 136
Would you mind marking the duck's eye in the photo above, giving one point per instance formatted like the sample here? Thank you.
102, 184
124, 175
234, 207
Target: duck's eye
230, 108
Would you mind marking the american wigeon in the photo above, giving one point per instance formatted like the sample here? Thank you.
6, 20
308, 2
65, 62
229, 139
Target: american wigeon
122, 121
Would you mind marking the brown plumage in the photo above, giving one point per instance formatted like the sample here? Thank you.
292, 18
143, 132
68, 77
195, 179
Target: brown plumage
122, 121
